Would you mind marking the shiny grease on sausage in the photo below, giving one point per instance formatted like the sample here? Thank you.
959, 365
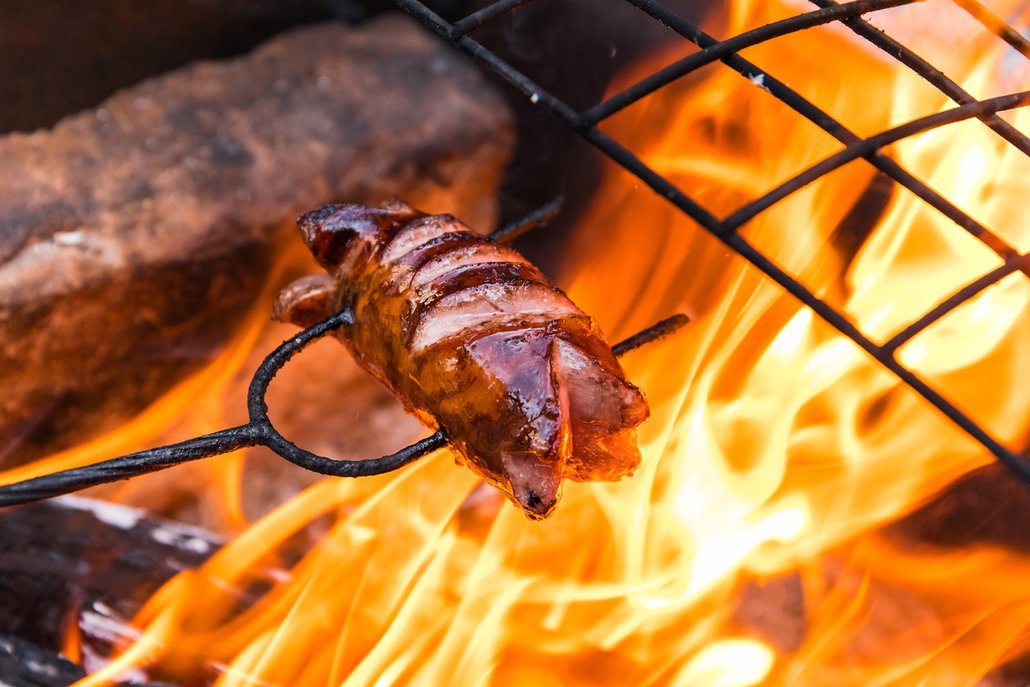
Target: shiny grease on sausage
475, 340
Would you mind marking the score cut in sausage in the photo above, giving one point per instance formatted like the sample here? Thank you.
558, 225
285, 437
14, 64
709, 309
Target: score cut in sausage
474, 340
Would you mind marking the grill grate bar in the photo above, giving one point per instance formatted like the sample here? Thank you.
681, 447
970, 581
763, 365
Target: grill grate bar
487, 15
1017, 464
934, 76
868, 146
996, 25
955, 300
585, 124
720, 50
805, 107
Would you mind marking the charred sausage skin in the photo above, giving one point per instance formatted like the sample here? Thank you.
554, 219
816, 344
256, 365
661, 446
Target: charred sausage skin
475, 340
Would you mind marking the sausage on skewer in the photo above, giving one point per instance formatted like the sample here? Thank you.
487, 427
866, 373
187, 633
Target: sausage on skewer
474, 340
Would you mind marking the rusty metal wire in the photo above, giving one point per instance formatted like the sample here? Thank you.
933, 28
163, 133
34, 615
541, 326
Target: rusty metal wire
586, 123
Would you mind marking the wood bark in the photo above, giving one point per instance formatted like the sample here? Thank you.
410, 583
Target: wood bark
86, 567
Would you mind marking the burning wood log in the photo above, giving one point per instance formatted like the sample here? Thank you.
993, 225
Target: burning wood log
987, 506
134, 237
82, 568
26, 665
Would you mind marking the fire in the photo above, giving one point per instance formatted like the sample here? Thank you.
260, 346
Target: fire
727, 663
775, 451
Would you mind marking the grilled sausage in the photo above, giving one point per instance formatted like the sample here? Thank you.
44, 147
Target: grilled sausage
475, 340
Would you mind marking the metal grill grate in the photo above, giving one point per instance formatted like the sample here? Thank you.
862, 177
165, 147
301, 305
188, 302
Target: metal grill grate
586, 122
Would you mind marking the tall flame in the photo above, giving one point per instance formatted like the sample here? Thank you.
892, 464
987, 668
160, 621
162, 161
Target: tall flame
775, 449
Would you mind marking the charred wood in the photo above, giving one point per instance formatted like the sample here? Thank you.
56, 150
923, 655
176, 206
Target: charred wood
83, 568
988, 506
25, 665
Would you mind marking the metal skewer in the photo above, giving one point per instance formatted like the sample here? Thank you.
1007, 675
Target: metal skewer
259, 431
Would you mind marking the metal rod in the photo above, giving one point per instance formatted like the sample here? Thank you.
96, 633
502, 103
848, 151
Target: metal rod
1019, 465
131, 465
866, 146
656, 331
955, 300
565, 114
537, 94
817, 116
585, 128
260, 432
274, 361
718, 51
507, 235
351, 468
934, 76
997, 25
488, 14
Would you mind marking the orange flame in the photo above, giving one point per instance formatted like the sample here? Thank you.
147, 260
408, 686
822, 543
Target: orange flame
775, 449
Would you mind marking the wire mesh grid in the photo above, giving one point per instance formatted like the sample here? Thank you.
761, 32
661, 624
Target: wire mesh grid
586, 123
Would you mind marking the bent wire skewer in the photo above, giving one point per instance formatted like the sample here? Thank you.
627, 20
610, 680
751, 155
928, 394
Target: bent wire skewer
259, 431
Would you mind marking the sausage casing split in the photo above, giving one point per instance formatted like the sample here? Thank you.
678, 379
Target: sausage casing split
475, 340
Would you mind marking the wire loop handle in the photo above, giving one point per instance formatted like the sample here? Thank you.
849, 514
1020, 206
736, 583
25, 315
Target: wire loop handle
260, 432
